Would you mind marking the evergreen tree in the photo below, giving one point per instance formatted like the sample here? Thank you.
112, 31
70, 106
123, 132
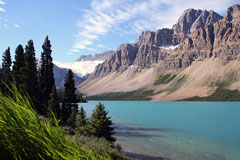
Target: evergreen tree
81, 123
100, 124
53, 104
30, 75
18, 65
46, 77
6, 71
69, 106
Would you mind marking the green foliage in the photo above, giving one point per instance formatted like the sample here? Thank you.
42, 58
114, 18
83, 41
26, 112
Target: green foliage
46, 76
30, 75
177, 83
24, 136
164, 78
100, 124
69, 106
137, 95
80, 98
6, 62
18, 64
53, 104
100, 146
6, 77
221, 94
81, 123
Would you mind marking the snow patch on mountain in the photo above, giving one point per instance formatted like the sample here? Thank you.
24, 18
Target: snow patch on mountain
81, 68
171, 47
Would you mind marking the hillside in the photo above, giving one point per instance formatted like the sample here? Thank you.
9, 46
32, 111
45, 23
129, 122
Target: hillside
191, 59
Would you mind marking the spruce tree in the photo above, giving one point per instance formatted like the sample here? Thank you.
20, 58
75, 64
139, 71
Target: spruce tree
69, 105
30, 75
6, 71
100, 124
53, 104
81, 122
46, 76
18, 65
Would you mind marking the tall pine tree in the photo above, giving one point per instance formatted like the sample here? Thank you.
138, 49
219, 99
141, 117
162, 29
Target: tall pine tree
69, 105
53, 104
100, 125
30, 75
6, 71
81, 122
46, 77
18, 65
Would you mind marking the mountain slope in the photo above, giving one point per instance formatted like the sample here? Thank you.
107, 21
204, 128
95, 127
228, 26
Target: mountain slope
199, 52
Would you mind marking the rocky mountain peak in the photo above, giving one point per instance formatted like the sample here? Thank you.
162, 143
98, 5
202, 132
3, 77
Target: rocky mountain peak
233, 12
96, 57
192, 19
162, 37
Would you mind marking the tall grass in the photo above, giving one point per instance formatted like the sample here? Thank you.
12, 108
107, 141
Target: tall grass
24, 136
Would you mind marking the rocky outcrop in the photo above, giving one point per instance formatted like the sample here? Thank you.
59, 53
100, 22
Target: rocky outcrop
96, 57
199, 35
119, 61
227, 36
220, 40
161, 37
192, 19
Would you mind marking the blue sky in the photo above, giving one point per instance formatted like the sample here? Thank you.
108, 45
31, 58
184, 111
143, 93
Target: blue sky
79, 27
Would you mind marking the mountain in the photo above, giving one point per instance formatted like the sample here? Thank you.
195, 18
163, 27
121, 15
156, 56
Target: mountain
192, 19
81, 67
96, 57
86, 63
199, 53
60, 73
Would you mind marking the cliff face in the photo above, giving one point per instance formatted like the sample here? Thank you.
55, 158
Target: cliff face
196, 37
192, 19
150, 48
96, 57
227, 36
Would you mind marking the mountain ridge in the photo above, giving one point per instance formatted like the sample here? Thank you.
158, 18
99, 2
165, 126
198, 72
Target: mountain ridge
217, 39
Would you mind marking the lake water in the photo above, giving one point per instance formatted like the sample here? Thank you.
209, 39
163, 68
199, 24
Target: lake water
176, 130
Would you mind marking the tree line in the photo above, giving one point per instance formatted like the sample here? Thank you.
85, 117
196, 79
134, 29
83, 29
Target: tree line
37, 81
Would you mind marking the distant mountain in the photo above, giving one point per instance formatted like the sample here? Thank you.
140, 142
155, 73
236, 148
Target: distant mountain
81, 68
200, 52
60, 73
96, 57
86, 63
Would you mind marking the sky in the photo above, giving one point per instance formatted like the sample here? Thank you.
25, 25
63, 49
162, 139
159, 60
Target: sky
81, 27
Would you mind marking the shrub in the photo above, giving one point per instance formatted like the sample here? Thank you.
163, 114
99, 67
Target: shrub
24, 136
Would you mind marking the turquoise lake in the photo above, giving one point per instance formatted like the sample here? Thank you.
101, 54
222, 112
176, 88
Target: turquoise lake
175, 130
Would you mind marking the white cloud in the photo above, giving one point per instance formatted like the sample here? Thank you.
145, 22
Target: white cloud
2, 10
2, 2
16, 25
5, 25
100, 46
74, 50
126, 17
81, 44
91, 49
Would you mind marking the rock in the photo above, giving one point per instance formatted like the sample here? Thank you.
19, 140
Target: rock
161, 37
192, 19
227, 36
199, 35
94, 57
